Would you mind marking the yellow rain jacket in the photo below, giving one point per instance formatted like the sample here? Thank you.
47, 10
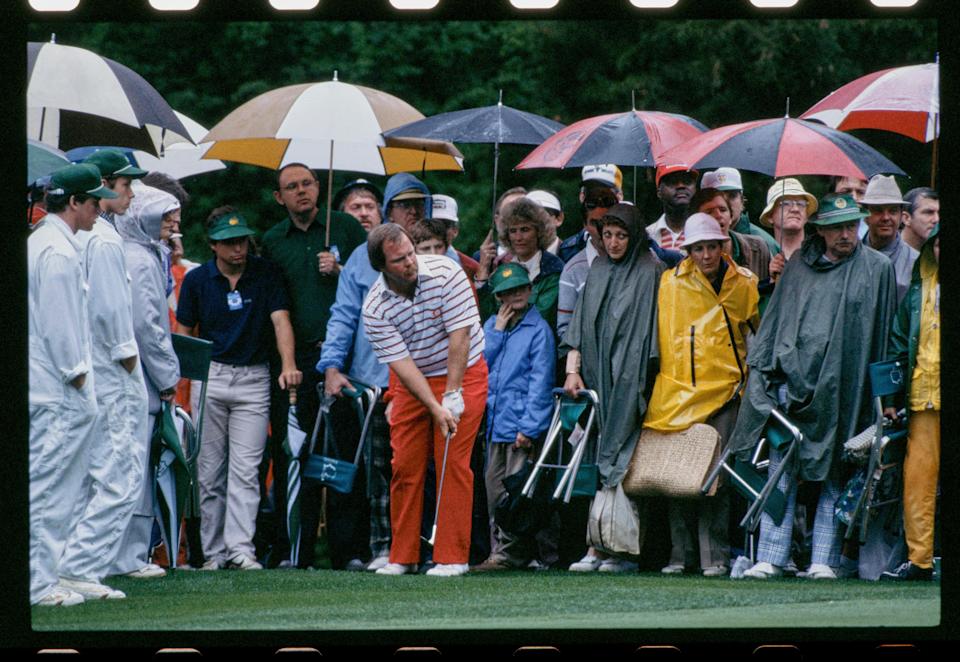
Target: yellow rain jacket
703, 352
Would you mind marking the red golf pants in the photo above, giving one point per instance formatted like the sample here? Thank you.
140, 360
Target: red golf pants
413, 436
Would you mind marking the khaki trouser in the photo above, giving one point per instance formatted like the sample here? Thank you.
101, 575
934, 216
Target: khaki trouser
921, 468
234, 436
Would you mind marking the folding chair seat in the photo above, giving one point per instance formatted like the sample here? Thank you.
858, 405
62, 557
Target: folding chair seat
576, 467
888, 448
751, 479
194, 355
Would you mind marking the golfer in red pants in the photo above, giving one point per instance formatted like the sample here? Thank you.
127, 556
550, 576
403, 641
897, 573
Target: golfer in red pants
421, 319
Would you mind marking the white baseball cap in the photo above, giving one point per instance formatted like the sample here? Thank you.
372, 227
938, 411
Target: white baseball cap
445, 208
545, 199
723, 179
606, 173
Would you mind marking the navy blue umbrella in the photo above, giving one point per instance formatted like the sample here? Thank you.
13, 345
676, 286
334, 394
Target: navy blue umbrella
496, 124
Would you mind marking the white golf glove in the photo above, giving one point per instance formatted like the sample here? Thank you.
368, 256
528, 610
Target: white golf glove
453, 402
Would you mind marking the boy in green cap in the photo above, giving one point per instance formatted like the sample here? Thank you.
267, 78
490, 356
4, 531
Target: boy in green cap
520, 352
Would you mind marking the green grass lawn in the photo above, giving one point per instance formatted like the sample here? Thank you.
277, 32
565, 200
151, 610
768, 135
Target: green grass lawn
338, 600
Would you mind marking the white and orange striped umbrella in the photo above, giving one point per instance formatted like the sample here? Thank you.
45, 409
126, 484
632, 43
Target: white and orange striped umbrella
328, 126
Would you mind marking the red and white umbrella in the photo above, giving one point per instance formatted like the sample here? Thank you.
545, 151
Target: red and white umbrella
634, 138
904, 100
783, 147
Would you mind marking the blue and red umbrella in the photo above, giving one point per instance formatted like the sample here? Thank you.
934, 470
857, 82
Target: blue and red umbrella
783, 147
635, 138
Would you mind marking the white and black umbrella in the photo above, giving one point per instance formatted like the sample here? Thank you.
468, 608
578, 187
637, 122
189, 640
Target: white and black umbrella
77, 98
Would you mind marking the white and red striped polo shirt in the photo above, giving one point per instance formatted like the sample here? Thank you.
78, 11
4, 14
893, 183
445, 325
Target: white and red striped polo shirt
666, 238
398, 327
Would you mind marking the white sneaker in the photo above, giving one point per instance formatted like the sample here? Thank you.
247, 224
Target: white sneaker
448, 569
378, 563
588, 563
92, 590
212, 564
149, 571
820, 571
673, 569
763, 570
716, 571
397, 569
60, 597
617, 565
243, 562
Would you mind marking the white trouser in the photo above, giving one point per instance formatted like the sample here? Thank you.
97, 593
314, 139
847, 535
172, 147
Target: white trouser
60, 438
134, 550
234, 436
116, 474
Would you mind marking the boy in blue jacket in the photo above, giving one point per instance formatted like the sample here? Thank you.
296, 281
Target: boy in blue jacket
520, 353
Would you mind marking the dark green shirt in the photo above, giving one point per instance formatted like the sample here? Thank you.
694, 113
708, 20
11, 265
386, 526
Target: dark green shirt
744, 226
294, 251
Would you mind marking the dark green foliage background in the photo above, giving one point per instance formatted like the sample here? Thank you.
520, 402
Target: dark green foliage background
720, 72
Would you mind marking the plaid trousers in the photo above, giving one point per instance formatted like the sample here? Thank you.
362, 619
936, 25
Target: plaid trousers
378, 454
774, 544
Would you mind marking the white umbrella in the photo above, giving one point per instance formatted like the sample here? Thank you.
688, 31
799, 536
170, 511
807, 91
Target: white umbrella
179, 158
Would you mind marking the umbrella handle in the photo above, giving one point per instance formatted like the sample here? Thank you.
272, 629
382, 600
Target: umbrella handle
292, 394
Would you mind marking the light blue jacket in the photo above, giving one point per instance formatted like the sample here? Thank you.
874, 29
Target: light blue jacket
346, 341
521, 364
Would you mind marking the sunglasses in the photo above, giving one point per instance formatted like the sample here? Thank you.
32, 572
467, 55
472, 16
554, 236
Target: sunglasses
604, 203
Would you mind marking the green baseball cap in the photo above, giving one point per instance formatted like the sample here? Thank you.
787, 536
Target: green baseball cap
229, 226
837, 208
79, 178
508, 276
113, 163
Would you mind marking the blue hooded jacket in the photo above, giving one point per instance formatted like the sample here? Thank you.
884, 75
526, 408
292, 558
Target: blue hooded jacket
400, 182
521, 364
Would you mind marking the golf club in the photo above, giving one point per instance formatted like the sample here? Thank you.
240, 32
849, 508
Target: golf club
436, 509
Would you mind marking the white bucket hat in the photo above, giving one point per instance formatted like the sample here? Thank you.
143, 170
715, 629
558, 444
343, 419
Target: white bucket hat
701, 227
882, 190
783, 188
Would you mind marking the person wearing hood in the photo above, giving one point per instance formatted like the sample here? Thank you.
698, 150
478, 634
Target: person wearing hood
311, 269
916, 334
63, 404
707, 305
610, 345
152, 217
827, 321
116, 469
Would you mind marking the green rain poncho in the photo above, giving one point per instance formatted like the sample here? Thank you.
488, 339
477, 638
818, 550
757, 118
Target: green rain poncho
826, 323
614, 328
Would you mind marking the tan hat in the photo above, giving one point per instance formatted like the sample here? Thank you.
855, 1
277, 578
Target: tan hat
783, 188
409, 194
882, 190
701, 227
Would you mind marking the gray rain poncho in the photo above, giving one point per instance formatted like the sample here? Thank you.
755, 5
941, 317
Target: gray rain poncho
614, 329
140, 229
825, 324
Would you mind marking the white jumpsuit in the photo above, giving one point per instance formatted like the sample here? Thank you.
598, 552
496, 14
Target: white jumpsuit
61, 417
140, 229
116, 474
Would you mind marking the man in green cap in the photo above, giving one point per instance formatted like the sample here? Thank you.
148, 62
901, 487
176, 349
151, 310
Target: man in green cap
116, 472
63, 406
828, 319
237, 301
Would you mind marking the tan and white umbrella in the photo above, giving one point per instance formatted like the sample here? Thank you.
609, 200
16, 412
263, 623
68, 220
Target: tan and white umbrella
329, 126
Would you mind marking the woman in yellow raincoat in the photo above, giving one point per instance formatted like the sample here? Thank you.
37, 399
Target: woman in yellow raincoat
707, 306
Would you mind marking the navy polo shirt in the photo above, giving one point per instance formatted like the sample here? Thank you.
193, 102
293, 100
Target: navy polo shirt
237, 321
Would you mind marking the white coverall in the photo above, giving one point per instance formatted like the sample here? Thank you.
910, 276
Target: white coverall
140, 229
62, 417
116, 474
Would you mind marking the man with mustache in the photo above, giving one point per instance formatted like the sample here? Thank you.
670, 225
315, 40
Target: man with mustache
828, 319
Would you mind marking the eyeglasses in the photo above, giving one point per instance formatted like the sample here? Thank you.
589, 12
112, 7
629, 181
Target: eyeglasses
798, 204
604, 203
410, 204
306, 183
